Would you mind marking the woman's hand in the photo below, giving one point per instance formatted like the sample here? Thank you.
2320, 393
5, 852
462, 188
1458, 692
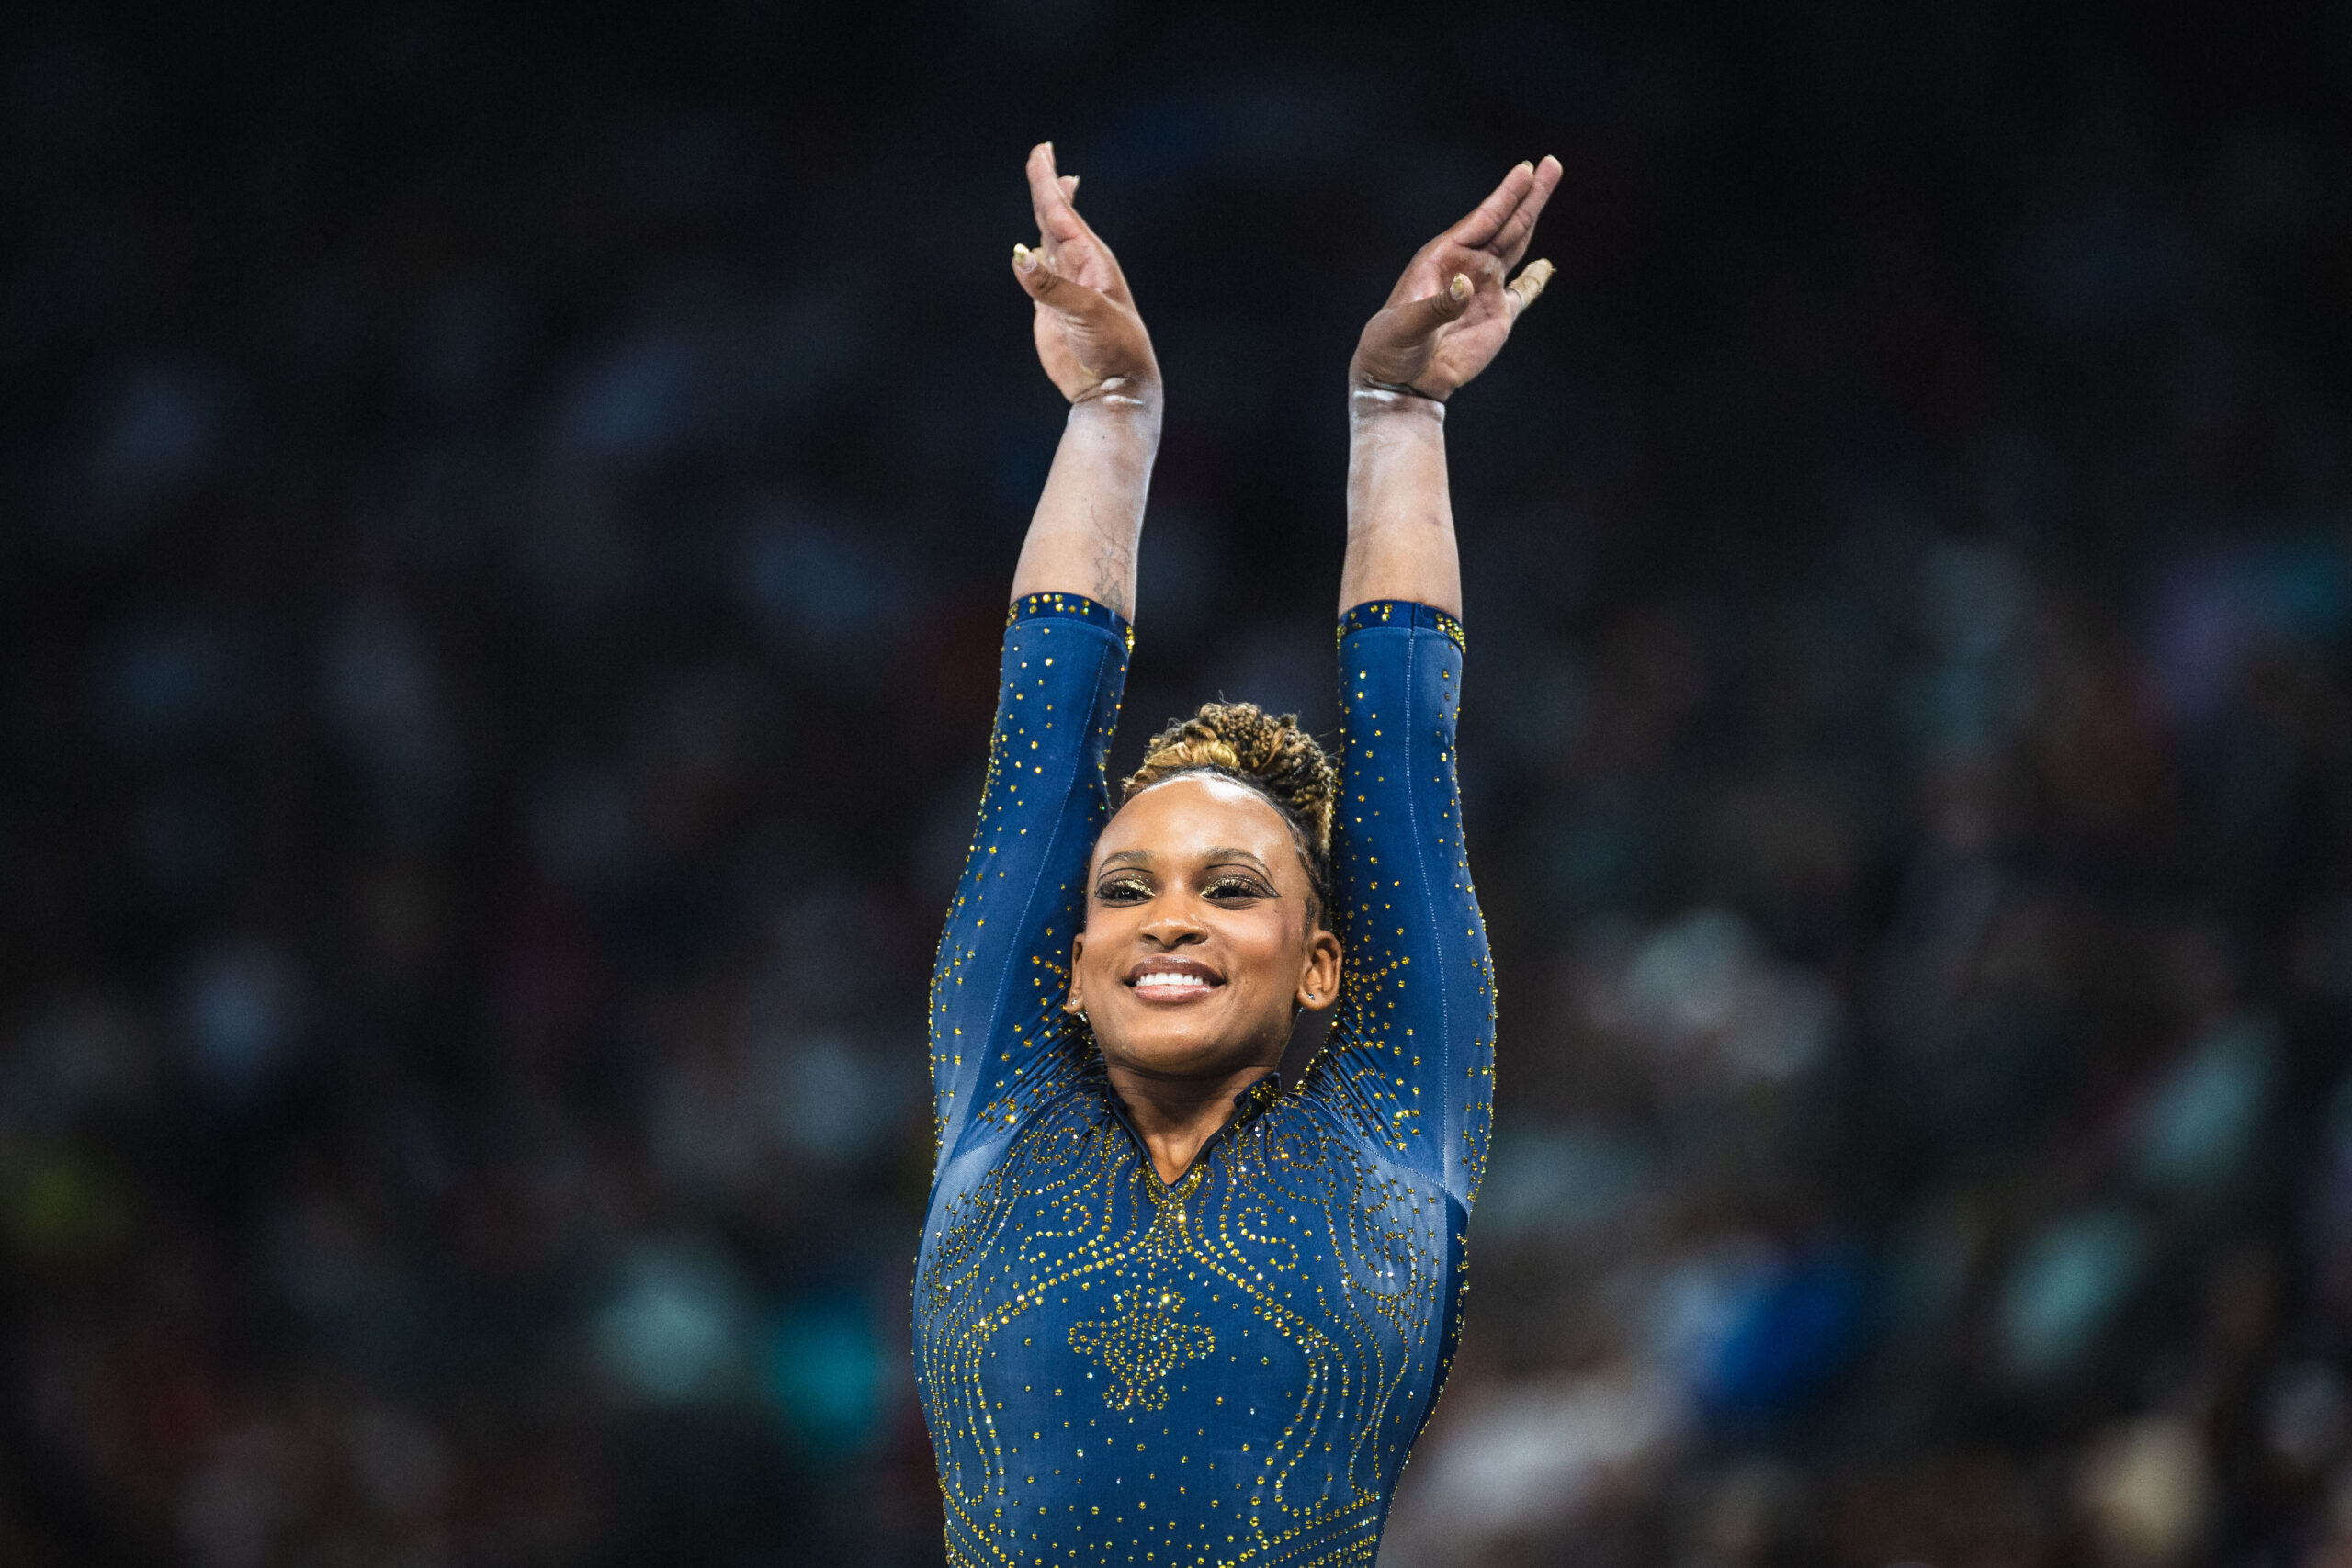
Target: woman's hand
1083, 534
1089, 334
1447, 316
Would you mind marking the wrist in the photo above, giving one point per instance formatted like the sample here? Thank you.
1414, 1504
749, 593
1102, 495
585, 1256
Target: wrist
1403, 374
1125, 398
1372, 404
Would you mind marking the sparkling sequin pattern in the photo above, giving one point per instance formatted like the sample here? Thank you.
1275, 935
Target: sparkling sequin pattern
1230, 1370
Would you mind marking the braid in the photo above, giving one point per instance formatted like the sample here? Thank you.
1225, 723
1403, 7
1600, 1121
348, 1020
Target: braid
1271, 755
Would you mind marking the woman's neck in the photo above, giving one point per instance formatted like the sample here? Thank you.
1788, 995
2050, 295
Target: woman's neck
1176, 1116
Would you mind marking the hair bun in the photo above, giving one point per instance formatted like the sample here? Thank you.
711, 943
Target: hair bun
1246, 741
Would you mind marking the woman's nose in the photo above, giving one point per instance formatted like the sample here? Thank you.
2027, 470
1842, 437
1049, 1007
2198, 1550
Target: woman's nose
1173, 925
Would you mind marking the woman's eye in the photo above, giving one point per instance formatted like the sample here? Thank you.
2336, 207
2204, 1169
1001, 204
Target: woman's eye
1128, 890
1239, 887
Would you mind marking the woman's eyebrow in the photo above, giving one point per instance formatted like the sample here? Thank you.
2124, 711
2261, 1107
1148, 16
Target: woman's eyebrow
1226, 852
1129, 857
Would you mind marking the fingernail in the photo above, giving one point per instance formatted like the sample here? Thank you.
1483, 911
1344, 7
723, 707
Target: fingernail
1024, 258
1458, 288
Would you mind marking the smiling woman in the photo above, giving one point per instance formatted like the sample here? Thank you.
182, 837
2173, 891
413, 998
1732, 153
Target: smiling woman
1209, 896
1170, 1309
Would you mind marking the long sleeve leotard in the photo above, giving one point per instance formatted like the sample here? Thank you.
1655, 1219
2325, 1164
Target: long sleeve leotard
1232, 1369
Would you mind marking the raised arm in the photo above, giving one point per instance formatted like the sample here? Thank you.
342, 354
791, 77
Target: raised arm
1082, 537
1445, 322
996, 991
1412, 1051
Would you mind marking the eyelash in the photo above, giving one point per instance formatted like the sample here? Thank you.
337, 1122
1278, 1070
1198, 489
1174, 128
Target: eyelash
1128, 890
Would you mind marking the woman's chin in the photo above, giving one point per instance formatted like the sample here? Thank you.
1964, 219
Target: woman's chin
1164, 1048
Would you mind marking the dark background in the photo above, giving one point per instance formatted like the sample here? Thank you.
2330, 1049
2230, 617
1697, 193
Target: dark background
506, 524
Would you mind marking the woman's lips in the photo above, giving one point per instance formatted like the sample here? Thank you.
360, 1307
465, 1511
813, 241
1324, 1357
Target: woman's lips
1172, 980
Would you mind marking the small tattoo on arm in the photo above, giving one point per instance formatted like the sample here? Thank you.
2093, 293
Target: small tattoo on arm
1114, 567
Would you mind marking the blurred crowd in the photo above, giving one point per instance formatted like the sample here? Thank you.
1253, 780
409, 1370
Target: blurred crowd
507, 531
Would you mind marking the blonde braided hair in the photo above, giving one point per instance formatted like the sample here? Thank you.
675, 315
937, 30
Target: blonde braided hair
1269, 754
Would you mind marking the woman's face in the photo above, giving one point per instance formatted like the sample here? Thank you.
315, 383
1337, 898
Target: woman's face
1200, 938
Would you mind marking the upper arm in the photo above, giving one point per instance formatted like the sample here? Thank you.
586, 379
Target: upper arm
998, 983
1412, 1050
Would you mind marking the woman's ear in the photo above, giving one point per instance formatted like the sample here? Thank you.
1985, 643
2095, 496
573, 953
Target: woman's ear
1075, 1002
1319, 977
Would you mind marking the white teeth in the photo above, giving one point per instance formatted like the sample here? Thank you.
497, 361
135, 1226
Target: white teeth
1166, 980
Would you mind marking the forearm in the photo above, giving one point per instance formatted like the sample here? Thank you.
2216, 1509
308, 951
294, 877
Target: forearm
1083, 536
1400, 514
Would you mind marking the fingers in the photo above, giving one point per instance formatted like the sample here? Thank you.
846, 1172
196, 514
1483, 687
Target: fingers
1527, 288
1485, 220
1051, 289
1510, 240
1059, 226
1057, 220
1416, 319
1505, 222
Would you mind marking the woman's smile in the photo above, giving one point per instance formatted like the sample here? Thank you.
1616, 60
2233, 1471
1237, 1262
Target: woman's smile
1171, 981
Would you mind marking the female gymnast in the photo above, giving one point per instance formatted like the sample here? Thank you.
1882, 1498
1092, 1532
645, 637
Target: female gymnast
1169, 1309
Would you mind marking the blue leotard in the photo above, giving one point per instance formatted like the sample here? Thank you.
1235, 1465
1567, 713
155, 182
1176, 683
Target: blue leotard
1230, 1370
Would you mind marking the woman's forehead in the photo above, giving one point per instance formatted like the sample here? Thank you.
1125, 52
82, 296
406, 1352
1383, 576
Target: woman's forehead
1190, 815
